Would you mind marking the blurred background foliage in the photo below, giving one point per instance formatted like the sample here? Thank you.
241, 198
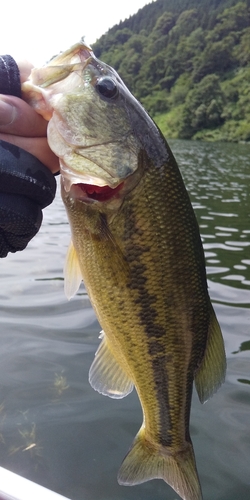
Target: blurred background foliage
188, 62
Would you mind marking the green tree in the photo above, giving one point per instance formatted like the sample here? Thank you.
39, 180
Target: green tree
187, 22
217, 57
121, 36
242, 50
235, 18
163, 24
188, 61
189, 47
203, 106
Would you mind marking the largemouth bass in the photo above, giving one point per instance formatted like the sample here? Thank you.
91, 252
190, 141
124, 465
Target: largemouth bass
136, 245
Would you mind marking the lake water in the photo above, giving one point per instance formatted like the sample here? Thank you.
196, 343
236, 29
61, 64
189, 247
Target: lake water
57, 431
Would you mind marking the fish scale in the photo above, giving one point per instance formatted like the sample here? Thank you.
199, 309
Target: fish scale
156, 291
157, 312
137, 246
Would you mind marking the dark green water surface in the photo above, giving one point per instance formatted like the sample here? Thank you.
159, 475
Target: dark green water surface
57, 431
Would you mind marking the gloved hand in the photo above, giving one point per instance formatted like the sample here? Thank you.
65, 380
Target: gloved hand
26, 185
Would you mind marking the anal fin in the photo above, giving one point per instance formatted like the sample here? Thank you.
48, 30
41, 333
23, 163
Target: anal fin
211, 373
106, 375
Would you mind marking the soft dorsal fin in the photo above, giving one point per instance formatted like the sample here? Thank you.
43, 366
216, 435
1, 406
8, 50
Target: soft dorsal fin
211, 373
72, 272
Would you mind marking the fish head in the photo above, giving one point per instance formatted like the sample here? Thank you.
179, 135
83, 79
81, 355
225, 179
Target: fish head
95, 124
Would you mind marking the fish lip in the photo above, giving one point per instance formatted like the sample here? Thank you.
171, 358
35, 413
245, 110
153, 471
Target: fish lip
71, 177
81, 55
80, 47
73, 185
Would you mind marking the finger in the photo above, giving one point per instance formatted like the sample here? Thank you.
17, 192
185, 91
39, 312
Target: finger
25, 68
18, 118
37, 146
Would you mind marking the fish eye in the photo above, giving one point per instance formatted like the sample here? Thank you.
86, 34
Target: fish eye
107, 87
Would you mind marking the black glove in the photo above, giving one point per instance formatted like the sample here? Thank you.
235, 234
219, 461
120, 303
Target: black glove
26, 185
9, 76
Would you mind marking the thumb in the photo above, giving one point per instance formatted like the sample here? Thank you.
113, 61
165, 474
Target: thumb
18, 118
7, 112
25, 68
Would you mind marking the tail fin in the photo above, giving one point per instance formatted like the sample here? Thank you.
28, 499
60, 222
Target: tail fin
144, 462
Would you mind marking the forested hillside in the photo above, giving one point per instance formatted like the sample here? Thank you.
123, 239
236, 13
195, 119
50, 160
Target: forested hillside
188, 62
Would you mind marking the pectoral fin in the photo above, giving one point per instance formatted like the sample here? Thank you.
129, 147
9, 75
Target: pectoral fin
211, 373
72, 272
106, 375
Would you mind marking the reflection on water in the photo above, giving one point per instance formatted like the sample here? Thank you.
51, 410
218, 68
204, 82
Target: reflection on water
245, 346
54, 429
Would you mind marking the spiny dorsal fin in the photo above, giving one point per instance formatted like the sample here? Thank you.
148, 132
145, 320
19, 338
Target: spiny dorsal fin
106, 375
72, 272
211, 373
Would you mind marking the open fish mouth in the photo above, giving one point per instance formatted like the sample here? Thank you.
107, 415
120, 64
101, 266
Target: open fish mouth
90, 193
